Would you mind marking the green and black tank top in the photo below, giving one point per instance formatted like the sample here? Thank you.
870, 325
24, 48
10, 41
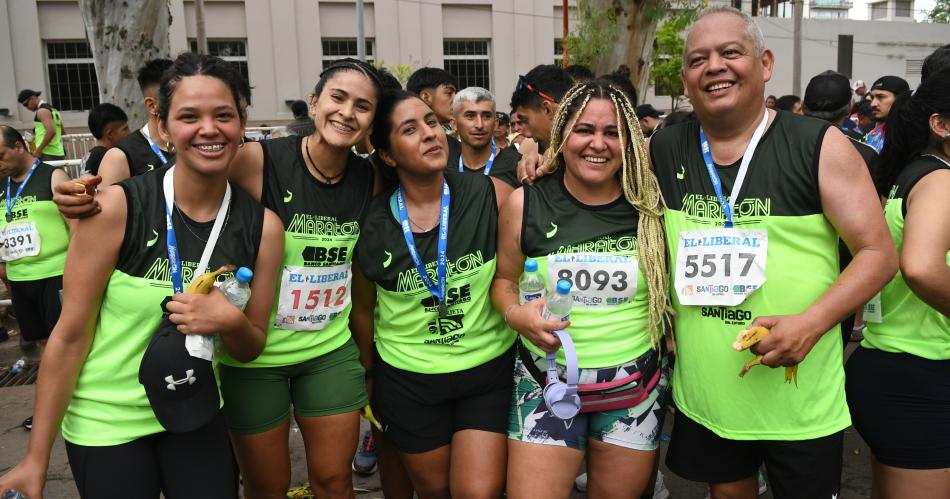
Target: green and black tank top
139, 154
410, 335
109, 406
595, 248
321, 226
36, 214
780, 195
504, 168
55, 146
908, 324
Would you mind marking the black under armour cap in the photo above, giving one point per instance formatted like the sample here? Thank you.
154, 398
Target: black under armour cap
828, 91
894, 84
25, 94
181, 389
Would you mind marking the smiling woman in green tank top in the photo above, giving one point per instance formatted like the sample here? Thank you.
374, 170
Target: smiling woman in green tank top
443, 371
119, 269
596, 222
898, 380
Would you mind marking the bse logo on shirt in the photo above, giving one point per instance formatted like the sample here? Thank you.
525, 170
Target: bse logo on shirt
318, 256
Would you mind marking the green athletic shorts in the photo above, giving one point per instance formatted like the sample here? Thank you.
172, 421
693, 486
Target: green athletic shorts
257, 399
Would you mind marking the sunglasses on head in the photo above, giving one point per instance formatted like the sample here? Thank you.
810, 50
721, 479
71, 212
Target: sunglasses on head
523, 83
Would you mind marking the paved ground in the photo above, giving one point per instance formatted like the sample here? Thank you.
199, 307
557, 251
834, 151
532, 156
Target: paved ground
16, 404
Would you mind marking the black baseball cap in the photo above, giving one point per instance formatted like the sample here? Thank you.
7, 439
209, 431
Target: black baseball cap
645, 110
25, 94
894, 84
181, 389
828, 91
502, 117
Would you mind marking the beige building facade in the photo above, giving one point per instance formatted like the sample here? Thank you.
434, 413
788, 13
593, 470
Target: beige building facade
282, 46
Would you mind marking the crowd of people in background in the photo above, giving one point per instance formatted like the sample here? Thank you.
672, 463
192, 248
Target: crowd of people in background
393, 233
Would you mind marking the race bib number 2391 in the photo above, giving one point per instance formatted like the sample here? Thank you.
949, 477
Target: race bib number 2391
720, 266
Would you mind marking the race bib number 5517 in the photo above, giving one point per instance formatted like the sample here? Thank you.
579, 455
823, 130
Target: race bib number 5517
720, 266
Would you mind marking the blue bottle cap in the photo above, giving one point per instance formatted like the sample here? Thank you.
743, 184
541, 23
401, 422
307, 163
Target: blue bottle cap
531, 265
563, 287
244, 274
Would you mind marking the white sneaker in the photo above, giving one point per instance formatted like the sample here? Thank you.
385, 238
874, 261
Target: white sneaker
580, 483
659, 488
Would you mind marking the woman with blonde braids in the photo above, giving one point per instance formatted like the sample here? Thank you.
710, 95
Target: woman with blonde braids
595, 221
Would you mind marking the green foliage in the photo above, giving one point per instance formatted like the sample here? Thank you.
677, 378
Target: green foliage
596, 32
668, 54
940, 13
402, 72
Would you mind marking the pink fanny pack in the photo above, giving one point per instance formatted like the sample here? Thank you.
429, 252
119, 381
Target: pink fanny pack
606, 395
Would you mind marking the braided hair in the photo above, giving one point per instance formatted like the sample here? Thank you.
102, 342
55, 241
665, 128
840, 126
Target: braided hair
640, 187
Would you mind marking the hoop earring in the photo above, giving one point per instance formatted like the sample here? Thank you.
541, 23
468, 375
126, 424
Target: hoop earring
242, 142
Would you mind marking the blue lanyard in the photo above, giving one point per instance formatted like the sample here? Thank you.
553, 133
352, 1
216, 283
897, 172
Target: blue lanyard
171, 241
18, 191
491, 159
442, 263
151, 143
174, 263
729, 206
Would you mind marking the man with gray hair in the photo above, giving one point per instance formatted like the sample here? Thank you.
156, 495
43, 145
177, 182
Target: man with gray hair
473, 110
756, 200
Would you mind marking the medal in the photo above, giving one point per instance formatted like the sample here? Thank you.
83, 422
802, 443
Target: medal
443, 310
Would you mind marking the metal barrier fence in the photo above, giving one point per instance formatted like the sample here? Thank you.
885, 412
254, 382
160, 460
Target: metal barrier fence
76, 145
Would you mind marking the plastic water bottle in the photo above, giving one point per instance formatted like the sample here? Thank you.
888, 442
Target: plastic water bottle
558, 305
18, 366
237, 289
531, 285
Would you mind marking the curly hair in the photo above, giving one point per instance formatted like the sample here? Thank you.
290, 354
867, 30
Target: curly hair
640, 186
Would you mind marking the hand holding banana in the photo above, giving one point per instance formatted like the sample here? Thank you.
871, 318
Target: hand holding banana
752, 336
200, 310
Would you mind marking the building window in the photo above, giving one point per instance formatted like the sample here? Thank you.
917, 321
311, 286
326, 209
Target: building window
468, 61
878, 11
558, 52
335, 49
903, 8
913, 68
73, 84
233, 51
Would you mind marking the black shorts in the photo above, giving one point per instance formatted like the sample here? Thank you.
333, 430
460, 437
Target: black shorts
198, 464
421, 412
37, 305
900, 404
803, 469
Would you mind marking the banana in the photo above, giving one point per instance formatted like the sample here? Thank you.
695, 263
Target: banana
751, 336
204, 283
368, 414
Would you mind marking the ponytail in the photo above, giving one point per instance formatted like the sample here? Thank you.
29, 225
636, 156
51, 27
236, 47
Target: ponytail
907, 129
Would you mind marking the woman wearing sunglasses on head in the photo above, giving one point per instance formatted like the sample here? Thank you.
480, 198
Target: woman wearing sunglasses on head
443, 371
594, 222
